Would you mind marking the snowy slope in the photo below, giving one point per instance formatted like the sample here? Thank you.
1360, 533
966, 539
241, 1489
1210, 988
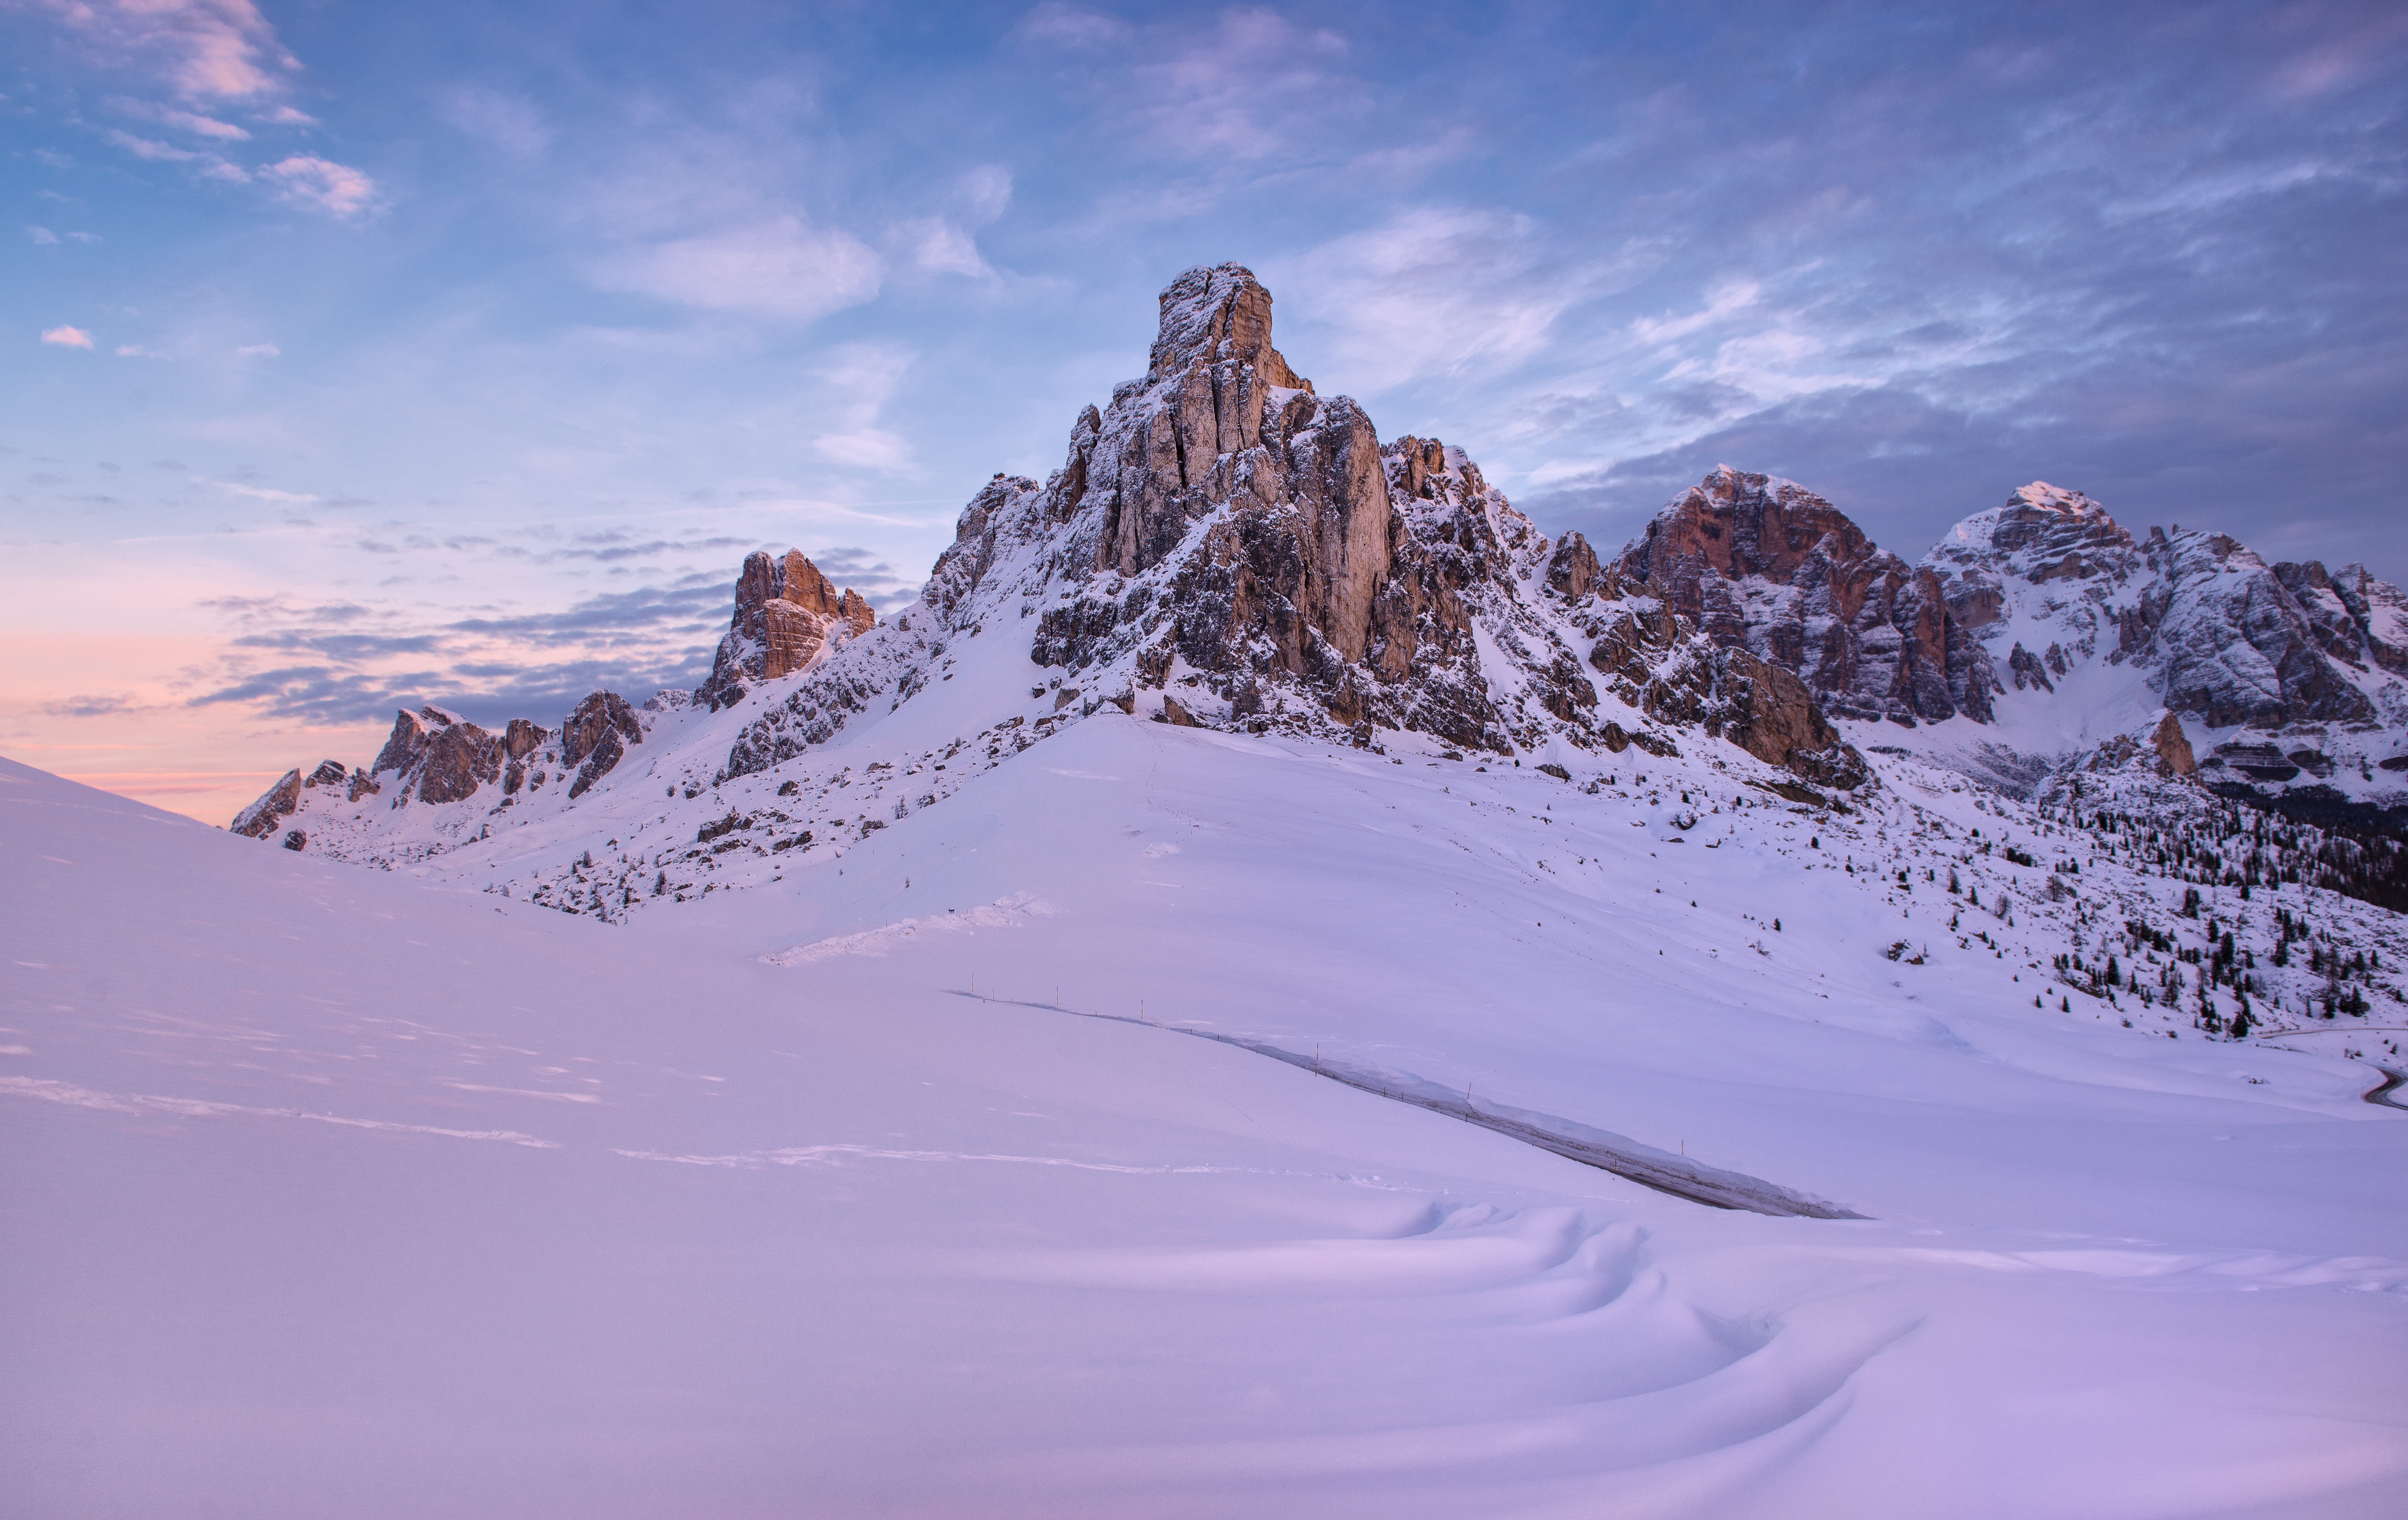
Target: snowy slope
1212, 1011
344, 1192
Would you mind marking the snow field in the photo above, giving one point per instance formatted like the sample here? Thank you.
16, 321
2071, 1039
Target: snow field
650, 1223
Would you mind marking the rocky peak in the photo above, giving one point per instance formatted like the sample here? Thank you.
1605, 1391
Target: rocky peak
2043, 534
788, 617
1224, 536
1215, 317
1762, 564
597, 736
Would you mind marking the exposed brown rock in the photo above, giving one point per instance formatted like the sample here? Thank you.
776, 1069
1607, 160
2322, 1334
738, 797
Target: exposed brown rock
455, 760
1765, 564
2173, 747
791, 635
597, 733
788, 614
260, 819
1177, 715
1573, 570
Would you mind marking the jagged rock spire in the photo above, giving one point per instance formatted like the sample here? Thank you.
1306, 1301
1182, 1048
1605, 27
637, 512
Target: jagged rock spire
788, 617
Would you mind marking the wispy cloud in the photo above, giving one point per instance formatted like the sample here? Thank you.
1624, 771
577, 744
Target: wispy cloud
149, 148
1438, 290
65, 336
99, 706
511, 122
861, 380
42, 236
779, 267
203, 49
1246, 85
322, 184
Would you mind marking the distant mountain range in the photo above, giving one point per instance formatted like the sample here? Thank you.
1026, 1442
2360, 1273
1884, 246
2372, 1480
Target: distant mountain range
1226, 548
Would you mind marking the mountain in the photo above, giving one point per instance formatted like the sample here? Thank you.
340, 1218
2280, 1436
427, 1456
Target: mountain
1271, 987
2289, 684
2037, 637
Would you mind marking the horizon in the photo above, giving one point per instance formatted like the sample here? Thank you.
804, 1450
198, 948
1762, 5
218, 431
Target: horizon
366, 360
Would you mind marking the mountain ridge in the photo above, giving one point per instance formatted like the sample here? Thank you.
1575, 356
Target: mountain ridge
1225, 547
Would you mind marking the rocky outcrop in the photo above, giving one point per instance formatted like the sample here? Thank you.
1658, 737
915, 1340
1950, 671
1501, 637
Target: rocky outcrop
1223, 526
788, 617
438, 755
596, 738
274, 806
2172, 746
1763, 564
1223, 534
1661, 663
2245, 666
281, 800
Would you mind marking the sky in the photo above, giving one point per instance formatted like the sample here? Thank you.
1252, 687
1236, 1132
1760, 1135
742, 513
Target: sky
362, 355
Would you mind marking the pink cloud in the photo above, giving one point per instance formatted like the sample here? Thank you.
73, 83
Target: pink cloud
65, 336
222, 50
334, 188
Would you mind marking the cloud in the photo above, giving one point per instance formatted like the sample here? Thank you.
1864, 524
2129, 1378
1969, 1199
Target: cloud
130, 350
1249, 86
986, 191
43, 237
66, 338
266, 351
491, 668
149, 149
205, 126
863, 377
509, 122
941, 248
1438, 290
1058, 24
1727, 301
181, 120
779, 267
322, 184
98, 707
260, 492
203, 50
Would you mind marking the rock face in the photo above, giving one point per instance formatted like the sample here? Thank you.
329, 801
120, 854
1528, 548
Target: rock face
1226, 536
283, 799
1223, 527
597, 736
439, 756
2292, 680
789, 616
1658, 662
1763, 564
276, 804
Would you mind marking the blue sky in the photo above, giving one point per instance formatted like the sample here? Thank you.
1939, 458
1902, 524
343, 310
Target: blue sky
367, 353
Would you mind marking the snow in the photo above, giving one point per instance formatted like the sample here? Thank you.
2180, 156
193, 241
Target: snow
346, 1191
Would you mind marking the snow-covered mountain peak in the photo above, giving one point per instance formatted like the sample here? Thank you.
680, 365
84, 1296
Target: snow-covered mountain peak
1218, 316
2284, 678
1763, 563
2042, 534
